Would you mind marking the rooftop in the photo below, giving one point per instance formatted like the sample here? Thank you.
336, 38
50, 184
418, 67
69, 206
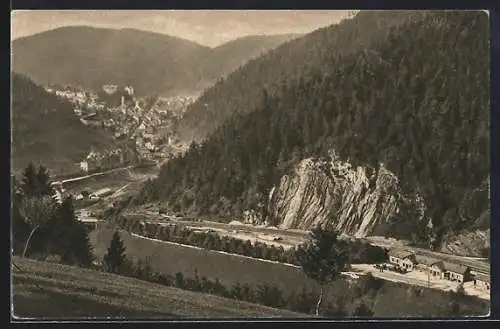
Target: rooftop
103, 190
428, 261
89, 220
455, 268
401, 254
482, 277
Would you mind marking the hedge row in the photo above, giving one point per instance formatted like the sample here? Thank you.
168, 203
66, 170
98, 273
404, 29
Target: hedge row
359, 252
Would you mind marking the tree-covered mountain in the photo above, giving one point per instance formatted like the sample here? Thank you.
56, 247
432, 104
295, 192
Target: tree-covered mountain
153, 63
415, 101
233, 54
240, 91
45, 130
92, 57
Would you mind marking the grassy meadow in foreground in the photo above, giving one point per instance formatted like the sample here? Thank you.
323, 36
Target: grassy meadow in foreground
170, 258
412, 301
58, 291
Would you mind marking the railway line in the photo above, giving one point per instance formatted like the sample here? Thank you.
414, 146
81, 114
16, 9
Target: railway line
475, 264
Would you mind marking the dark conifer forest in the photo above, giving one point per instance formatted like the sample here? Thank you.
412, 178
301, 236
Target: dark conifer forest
414, 97
296, 60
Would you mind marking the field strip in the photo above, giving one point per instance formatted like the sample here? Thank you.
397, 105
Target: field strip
215, 251
350, 274
409, 281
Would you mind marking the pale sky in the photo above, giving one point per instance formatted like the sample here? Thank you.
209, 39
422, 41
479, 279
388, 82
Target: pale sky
207, 27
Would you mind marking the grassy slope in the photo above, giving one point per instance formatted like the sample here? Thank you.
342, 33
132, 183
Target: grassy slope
72, 292
229, 269
170, 258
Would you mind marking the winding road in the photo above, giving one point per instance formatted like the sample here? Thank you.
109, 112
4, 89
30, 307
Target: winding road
74, 179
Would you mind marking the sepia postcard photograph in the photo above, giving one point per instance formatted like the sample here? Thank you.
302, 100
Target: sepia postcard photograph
250, 164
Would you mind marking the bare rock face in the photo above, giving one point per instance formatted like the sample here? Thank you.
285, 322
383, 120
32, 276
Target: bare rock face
353, 199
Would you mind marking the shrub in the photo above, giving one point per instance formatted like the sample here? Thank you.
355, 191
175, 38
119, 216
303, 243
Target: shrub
362, 310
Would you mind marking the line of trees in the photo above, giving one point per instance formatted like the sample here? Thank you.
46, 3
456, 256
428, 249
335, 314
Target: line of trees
322, 260
359, 252
41, 226
304, 301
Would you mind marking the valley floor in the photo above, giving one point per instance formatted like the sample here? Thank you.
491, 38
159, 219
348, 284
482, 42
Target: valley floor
412, 278
289, 238
421, 279
48, 290
166, 256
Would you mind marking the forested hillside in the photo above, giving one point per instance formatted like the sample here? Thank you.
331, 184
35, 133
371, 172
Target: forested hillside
229, 56
241, 91
416, 101
45, 129
153, 63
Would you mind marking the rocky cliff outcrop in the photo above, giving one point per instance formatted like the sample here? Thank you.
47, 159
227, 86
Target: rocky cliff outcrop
353, 199
361, 201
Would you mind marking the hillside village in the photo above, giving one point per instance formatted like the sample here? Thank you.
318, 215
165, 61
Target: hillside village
142, 126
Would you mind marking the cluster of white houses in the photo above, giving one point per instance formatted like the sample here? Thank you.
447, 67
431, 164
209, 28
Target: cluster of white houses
438, 268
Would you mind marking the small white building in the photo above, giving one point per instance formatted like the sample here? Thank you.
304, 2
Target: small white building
456, 272
90, 223
430, 265
129, 90
81, 97
482, 281
402, 258
101, 193
150, 146
84, 166
110, 89
148, 136
59, 197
